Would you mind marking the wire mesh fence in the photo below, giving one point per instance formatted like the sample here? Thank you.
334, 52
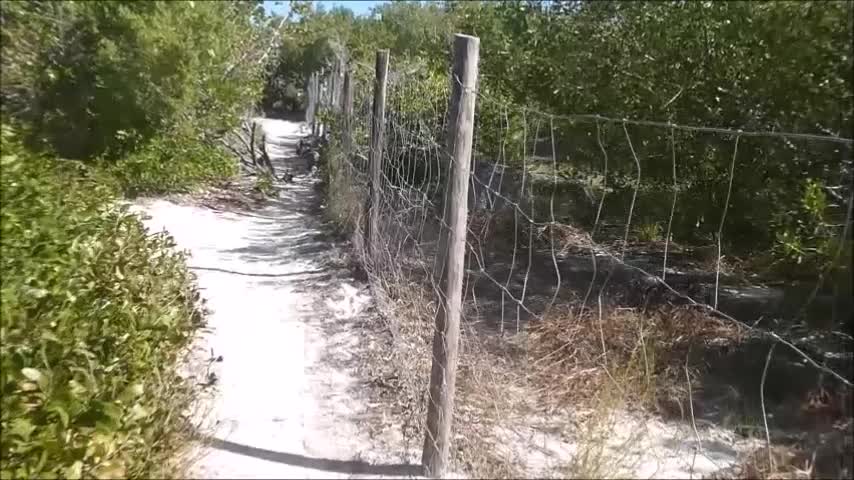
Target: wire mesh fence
658, 262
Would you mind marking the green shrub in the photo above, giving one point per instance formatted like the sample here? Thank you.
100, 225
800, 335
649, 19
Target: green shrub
170, 164
93, 78
648, 232
94, 315
808, 236
264, 183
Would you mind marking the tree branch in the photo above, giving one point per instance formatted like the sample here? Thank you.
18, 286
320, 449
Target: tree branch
275, 36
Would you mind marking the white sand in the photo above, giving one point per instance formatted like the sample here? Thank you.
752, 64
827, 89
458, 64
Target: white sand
285, 404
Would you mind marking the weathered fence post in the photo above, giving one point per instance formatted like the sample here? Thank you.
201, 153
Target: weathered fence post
333, 80
347, 109
342, 68
315, 90
453, 240
375, 155
308, 100
336, 85
309, 108
327, 95
317, 102
321, 104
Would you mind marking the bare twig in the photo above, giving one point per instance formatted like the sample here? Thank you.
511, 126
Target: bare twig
762, 400
274, 38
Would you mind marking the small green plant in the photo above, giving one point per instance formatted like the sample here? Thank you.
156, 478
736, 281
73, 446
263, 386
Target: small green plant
648, 232
342, 194
264, 183
602, 441
807, 238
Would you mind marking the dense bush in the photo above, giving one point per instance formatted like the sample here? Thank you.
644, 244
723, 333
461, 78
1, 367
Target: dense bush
159, 82
171, 164
94, 314
107, 97
721, 64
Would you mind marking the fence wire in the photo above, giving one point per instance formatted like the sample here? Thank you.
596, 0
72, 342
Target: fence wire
606, 251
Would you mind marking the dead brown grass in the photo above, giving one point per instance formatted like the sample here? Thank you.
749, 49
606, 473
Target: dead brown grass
484, 379
616, 358
578, 353
631, 359
399, 367
786, 463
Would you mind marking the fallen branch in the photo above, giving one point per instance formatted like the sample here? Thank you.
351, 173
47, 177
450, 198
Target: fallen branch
239, 155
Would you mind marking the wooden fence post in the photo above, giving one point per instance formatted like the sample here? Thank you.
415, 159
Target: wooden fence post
308, 105
339, 94
333, 86
314, 102
375, 157
325, 94
453, 240
336, 86
347, 109
333, 79
321, 104
308, 100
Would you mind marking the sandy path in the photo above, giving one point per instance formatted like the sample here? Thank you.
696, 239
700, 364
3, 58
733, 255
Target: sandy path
282, 317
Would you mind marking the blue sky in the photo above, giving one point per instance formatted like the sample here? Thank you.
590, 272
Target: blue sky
359, 7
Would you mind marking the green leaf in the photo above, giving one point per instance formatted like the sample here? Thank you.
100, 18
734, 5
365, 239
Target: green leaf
77, 389
131, 392
75, 471
50, 336
112, 411
61, 413
21, 427
32, 374
110, 469
42, 380
139, 412
37, 293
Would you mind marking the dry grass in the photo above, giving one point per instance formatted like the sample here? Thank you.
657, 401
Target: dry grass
346, 205
786, 463
598, 361
400, 368
613, 361
496, 376
827, 456
483, 380
625, 359
584, 353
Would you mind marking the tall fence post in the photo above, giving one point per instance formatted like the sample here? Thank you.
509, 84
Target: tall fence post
314, 101
376, 152
308, 100
347, 109
443, 374
333, 80
336, 86
321, 104
339, 94
327, 88
309, 107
